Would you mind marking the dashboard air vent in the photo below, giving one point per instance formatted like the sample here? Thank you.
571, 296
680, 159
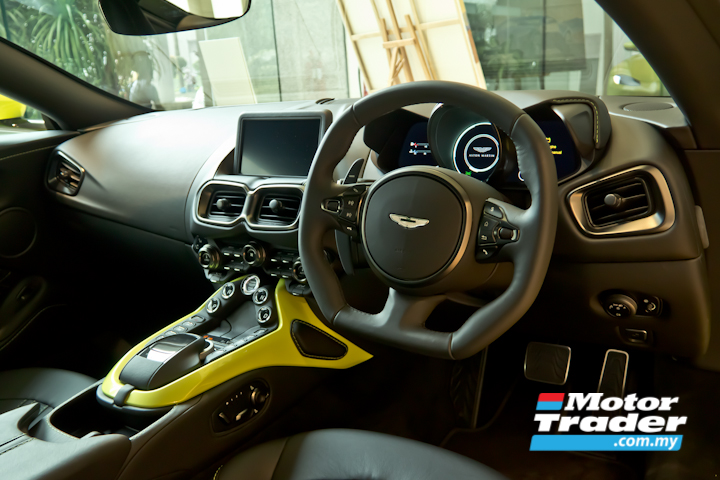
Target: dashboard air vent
65, 175
280, 208
227, 204
619, 201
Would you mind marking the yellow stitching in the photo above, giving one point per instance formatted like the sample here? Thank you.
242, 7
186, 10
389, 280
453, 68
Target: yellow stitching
217, 472
595, 111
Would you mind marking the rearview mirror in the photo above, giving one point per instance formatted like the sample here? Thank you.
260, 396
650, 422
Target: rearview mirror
151, 17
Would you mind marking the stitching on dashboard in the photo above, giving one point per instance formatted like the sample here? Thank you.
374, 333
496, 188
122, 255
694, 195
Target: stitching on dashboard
595, 111
305, 354
25, 153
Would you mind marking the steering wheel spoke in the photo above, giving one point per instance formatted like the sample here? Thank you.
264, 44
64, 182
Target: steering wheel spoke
345, 207
500, 228
402, 319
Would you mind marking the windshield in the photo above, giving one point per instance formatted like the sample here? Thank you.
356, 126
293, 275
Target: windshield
290, 50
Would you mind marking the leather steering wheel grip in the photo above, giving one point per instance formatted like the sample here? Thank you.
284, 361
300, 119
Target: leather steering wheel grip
401, 323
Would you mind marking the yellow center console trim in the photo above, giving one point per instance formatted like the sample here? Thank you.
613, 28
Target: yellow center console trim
276, 349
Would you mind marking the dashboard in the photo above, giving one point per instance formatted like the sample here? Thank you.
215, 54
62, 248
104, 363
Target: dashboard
231, 181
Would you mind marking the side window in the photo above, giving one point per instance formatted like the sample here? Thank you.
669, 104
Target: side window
18, 118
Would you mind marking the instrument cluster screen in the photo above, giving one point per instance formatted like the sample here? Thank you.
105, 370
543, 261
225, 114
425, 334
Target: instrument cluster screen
416, 148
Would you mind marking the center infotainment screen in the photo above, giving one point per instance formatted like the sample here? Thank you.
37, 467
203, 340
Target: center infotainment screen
277, 146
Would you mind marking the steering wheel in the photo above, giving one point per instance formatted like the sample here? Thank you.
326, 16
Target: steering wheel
427, 231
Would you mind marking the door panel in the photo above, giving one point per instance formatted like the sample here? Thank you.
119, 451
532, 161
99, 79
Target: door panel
26, 235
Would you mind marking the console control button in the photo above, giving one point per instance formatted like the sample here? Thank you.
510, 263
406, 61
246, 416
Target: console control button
250, 285
213, 305
188, 324
253, 254
261, 296
180, 329
209, 258
198, 319
228, 290
264, 315
298, 272
169, 332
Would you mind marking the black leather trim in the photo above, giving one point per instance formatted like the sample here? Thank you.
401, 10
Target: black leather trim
312, 342
47, 386
340, 454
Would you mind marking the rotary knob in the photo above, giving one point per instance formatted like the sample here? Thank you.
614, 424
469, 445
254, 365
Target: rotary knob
209, 257
620, 306
298, 273
253, 254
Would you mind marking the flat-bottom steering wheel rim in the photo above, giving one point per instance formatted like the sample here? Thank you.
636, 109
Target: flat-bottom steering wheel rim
401, 323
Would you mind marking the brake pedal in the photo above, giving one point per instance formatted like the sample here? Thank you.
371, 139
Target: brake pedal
614, 373
547, 363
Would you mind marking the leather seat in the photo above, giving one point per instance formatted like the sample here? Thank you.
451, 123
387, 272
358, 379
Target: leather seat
351, 454
47, 386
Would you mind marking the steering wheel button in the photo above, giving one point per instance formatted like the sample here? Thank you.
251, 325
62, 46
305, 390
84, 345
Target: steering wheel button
506, 233
487, 230
349, 215
494, 210
350, 230
332, 205
485, 252
350, 203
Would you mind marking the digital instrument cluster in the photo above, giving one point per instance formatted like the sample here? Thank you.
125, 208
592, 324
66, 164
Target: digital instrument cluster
460, 140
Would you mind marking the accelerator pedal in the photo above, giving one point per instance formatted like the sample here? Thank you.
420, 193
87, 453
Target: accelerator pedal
614, 373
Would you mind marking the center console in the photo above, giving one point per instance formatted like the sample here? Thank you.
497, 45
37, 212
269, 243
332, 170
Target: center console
191, 391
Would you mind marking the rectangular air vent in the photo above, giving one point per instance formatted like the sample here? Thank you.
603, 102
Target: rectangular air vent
227, 204
279, 208
619, 201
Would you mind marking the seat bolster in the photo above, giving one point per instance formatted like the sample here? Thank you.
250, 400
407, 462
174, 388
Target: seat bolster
258, 463
340, 454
